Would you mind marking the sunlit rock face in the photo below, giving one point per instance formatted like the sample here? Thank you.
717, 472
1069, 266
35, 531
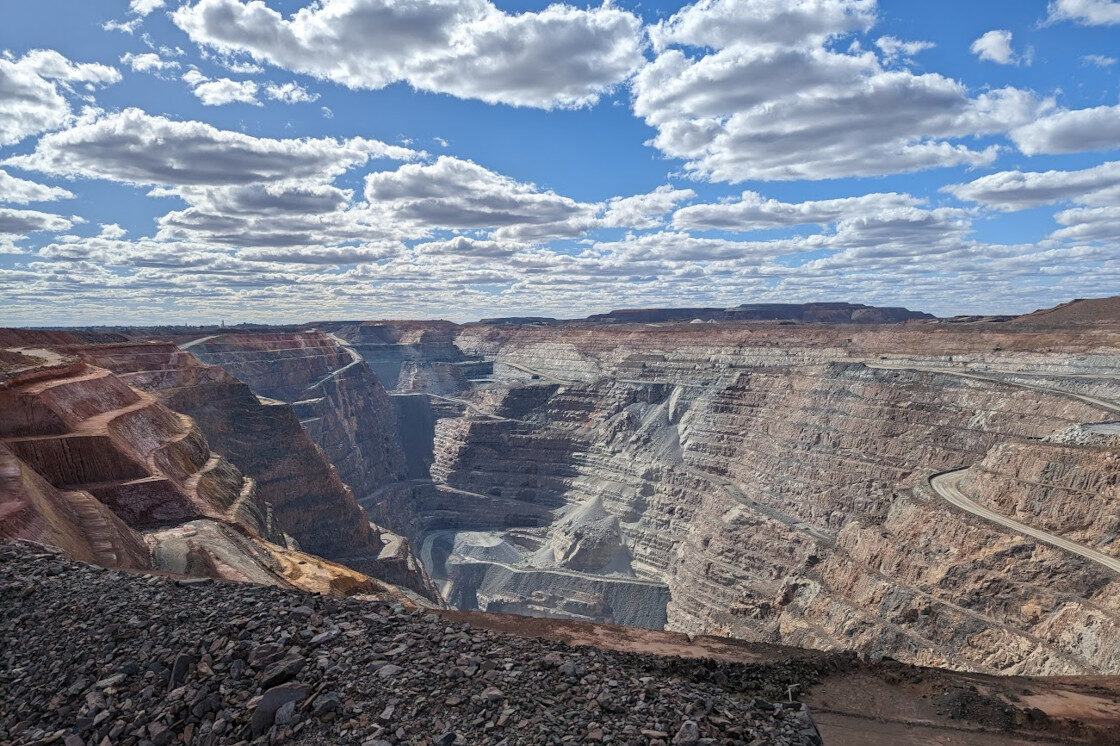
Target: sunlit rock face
772, 483
106, 472
312, 508
341, 405
782, 483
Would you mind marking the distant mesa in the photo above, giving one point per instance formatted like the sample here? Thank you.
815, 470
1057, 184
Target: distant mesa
520, 321
1076, 313
814, 313
818, 313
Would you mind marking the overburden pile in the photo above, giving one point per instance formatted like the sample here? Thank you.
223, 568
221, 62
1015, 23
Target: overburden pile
99, 656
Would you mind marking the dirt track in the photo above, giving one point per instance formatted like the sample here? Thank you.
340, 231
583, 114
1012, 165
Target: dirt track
946, 485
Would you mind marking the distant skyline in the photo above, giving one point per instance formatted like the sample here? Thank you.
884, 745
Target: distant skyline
273, 161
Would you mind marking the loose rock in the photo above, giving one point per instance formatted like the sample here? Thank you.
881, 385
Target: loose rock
97, 658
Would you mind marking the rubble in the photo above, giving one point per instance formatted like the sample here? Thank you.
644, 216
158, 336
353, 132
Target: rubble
94, 656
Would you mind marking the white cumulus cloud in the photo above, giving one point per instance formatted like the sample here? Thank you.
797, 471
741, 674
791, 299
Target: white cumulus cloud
457, 194
1019, 190
16, 224
724, 23
135, 147
560, 56
1071, 131
148, 62
32, 91
753, 212
111, 231
1086, 12
896, 50
290, 93
18, 191
786, 114
995, 46
645, 210
145, 7
221, 91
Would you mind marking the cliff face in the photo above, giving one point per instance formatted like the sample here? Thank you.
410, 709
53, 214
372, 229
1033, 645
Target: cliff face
411, 356
336, 397
73, 520
940, 494
1068, 488
108, 474
828, 467
775, 483
265, 440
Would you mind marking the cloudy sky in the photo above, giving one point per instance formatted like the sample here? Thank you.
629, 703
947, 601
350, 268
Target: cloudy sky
170, 161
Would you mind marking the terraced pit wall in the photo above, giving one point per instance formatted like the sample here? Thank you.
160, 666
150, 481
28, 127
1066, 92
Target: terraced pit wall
776, 481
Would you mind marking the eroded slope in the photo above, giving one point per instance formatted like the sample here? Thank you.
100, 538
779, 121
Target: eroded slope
775, 481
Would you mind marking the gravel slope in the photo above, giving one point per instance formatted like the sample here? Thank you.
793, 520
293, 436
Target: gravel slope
96, 656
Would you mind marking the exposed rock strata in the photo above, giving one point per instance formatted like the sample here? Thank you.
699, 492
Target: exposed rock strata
31, 508
775, 480
293, 477
1072, 490
758, 481
338, 400
108, 474
412, 355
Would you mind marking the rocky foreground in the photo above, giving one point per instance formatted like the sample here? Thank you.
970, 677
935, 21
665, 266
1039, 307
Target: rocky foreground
97, 656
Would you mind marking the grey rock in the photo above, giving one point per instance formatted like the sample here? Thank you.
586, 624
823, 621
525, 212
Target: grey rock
109, 681
302, 612
322, 637
284, 670
179, 670
286, 713
265, 653
688, 735
522, 690
264, 714
324, 703
808, 729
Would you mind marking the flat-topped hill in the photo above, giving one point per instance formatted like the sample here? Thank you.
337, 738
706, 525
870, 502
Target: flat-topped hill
1080, 312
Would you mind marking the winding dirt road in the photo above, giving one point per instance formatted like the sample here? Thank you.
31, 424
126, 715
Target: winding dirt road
200, 340
538, 373
472, 407
355, 358
1095, 401
946, 485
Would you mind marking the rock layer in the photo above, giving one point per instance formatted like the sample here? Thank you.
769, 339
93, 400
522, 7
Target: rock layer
109, 474
264, 439
337, 398
759, 481
775, 480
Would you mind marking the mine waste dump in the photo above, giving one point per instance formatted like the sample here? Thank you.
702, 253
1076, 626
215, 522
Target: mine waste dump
867, 485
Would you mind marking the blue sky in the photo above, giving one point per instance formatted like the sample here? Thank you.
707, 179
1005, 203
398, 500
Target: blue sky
170, 161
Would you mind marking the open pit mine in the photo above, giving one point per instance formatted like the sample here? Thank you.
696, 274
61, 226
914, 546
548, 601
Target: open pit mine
870, 484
